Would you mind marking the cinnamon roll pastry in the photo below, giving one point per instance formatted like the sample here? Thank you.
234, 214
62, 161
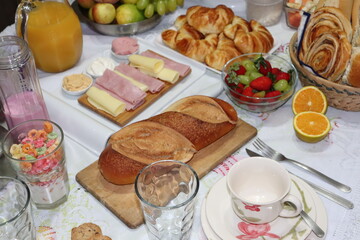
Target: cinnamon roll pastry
321, 22
329, 54
250, 36
209, 20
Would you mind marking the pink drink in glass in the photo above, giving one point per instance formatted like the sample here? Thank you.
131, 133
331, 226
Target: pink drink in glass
24, 106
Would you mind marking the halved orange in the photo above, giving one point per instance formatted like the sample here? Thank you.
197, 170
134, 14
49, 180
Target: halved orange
309, 98
311, 127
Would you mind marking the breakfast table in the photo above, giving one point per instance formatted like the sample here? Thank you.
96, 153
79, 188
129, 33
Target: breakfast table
86, 134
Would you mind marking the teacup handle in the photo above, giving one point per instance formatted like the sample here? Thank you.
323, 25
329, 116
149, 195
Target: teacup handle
296, 208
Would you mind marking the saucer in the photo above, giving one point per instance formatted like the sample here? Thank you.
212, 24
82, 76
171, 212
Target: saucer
217, 212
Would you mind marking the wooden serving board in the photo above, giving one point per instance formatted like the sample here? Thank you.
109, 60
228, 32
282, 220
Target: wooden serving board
123, 118
122, 200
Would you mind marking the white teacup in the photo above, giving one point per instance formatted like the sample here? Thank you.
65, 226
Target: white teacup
259, 188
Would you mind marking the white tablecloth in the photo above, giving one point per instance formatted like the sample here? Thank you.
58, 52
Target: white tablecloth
337, 155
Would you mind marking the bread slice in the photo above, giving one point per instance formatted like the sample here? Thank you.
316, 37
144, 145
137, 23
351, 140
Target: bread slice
352, 72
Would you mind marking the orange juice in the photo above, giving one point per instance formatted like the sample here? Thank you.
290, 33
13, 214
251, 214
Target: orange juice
54, 35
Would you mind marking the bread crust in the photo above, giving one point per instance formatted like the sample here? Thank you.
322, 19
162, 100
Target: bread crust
117, 168
200, 133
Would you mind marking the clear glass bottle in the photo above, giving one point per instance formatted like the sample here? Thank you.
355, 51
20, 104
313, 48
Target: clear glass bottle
20, 91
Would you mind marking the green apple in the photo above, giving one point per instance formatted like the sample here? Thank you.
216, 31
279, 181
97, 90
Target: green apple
128, 13
103, 13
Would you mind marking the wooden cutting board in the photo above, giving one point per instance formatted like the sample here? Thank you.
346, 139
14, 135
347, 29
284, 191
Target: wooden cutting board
122, 200
123, 118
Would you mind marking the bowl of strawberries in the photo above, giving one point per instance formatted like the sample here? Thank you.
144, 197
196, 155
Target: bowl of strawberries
259, 82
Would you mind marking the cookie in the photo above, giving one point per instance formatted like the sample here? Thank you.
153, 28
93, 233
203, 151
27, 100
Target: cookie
86, 231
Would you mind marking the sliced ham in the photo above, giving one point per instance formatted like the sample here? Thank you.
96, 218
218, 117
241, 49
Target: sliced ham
153, 84
121, 87
128, 106
182, 69
124, 45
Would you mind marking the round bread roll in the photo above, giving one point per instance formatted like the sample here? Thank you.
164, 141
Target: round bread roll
117, 168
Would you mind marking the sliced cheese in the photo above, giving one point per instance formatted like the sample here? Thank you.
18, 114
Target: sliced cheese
104, 101
138, 84
150, 64
166, 74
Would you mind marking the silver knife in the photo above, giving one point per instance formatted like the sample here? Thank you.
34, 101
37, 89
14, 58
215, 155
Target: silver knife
324, 192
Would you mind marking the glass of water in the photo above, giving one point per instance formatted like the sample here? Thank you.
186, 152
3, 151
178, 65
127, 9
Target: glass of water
167, 191
16, 221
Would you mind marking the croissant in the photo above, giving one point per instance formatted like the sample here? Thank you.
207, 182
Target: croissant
225, 51
190, 42
197, 49
209, 20
250, 36
170, 37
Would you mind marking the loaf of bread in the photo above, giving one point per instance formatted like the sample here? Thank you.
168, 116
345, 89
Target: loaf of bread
352, 72
184, 128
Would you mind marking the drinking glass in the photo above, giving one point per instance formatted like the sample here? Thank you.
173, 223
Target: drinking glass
37, 155
167, 191
16, 221
20, 92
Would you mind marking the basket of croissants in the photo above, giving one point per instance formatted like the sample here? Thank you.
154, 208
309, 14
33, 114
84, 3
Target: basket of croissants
326, 52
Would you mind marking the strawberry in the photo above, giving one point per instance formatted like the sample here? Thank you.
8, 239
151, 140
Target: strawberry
265, 67
228, 81
283, 75
275, 71
238, 89
241, 70
261, 83
272, 94
248, 92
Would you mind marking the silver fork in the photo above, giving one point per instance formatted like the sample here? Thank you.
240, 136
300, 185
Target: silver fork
273, 154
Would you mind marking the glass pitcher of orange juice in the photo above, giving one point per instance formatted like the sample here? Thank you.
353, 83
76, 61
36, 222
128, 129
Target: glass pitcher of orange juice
52, 31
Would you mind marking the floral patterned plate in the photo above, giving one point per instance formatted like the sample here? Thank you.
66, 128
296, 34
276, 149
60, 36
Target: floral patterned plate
219, 221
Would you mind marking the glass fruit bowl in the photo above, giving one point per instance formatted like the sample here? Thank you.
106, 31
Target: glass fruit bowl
259, 82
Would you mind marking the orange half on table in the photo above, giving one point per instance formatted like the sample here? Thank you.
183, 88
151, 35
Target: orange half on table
311, 127
309, 98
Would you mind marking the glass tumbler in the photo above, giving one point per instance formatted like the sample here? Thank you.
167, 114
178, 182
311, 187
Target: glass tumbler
20, 92
266, 12
16, 221
167, 191
35, 149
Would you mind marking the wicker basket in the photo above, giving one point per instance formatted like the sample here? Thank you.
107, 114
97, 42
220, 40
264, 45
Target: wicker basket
339, 96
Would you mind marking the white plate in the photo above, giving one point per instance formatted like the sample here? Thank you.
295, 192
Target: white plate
218, 219
52, 84
158, 41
